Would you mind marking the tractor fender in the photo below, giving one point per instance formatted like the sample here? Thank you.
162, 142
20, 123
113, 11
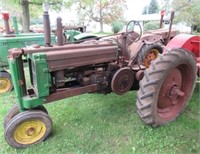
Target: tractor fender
147, 38
185, 41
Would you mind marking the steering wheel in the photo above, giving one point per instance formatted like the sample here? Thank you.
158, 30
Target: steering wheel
130, 30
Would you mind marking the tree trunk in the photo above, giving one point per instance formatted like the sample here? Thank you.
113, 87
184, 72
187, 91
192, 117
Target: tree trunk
25, 15
101, 18
101, 25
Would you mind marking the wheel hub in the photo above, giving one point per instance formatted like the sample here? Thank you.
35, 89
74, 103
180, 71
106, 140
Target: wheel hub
170, 92
176, 91
30, 132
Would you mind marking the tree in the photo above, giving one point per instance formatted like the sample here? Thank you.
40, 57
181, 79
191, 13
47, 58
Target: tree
101, 11
153, 7
26, 6
187, 11
166, 5
145, 10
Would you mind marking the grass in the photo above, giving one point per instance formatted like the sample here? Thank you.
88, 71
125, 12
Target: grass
95, 123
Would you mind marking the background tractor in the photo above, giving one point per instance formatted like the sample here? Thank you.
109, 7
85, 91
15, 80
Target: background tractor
163, 71
14, 39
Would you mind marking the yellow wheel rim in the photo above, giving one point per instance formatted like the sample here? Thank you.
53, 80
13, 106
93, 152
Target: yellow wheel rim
5, 84
152, 55
30, 132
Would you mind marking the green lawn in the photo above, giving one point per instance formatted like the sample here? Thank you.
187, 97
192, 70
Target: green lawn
95, 123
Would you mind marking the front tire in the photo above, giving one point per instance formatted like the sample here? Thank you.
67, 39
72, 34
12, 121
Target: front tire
166, 87
27, 128
15, 110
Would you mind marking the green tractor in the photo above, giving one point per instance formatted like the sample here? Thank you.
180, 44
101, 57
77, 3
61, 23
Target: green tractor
161, 64
18, 40
14, 40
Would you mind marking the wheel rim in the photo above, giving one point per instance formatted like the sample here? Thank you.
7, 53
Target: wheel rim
173, 92
30, 131
151, 55
5, 84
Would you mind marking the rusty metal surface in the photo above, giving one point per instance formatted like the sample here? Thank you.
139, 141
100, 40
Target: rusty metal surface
59, 32
7, 27
139, 75
170, 26
66, 47
80, 57
170, 96
122, 81
14, 53
69, 92
162, 32
151, 37
47, 29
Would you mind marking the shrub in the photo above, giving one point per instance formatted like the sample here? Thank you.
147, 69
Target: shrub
117, 26
151, 25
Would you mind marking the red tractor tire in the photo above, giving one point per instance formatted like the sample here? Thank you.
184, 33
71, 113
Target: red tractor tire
166, 87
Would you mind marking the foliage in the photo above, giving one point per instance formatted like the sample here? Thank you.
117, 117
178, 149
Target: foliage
166, 6
145, 10
151, 25
35, 21
187, 12
26, 9
151, 8
117, 26
101, 11
12, 8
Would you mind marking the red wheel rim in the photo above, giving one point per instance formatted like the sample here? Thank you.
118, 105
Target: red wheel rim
173, 93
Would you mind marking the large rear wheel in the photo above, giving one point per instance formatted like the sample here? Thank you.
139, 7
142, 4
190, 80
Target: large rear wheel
166, 87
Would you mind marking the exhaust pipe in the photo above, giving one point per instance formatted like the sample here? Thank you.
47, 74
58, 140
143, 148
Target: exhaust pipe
59, 31
170, 26
5, 16
161, 18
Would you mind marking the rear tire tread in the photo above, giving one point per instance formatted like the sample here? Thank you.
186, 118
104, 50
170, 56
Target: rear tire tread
145, 93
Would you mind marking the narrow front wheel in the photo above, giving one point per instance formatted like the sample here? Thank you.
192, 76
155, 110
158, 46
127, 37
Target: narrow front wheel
27, 128
15, 110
